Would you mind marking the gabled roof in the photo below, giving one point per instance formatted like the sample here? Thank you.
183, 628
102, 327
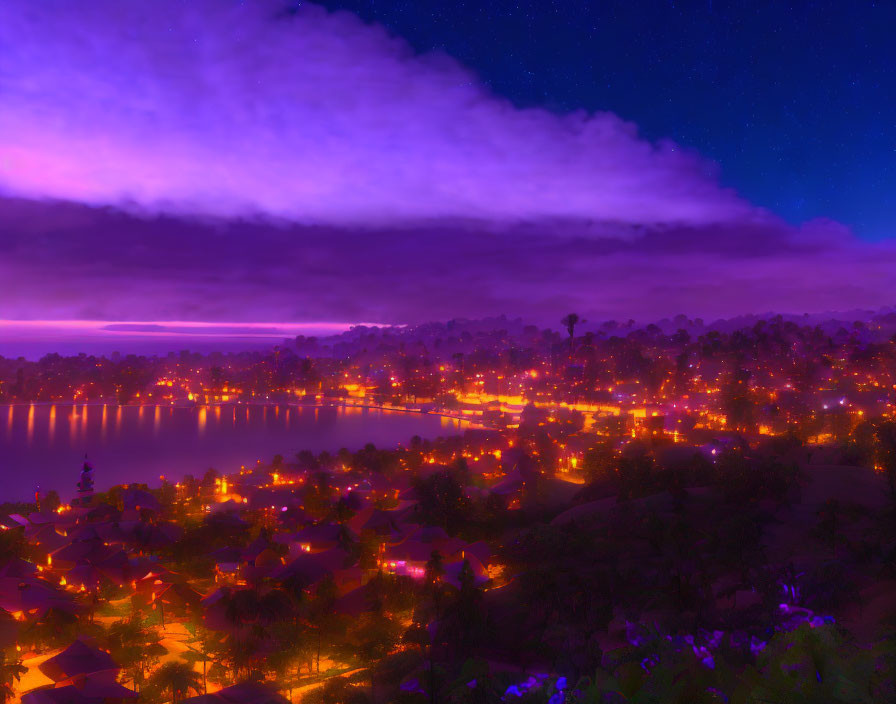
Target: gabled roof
381, 522
229, 554
84, 532
256, 547
312, 567
111, 532
17, 567
429, 534
77, 659
229, 506
452, 572
178, 593
321, 531
47, 538
513, 482
57, 695
85, 575
278, 497
155, 535
243, 693
103, 688
481, 550
89, 691
32, 594
103, 512
140, 499
410, 551
92, 551
353, 603
450, 546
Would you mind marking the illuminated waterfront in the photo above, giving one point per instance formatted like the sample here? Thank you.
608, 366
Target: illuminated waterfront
41, 443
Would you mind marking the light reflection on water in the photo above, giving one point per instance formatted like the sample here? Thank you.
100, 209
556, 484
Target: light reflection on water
45, 443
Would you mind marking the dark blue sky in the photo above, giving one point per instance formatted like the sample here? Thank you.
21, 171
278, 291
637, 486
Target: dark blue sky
796, 102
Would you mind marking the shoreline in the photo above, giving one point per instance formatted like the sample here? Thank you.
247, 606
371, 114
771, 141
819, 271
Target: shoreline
269, 404
457, 429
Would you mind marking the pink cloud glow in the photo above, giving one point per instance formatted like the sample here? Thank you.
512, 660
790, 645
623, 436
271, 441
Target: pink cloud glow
215, 160
173, 328
227, 108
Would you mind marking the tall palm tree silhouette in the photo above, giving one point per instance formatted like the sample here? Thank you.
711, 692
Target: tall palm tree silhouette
569, 321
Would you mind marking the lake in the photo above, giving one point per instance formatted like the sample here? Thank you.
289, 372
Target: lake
43, 444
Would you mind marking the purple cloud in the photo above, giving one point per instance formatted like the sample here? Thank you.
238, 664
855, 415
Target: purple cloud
227, 162
66, 261
237, 108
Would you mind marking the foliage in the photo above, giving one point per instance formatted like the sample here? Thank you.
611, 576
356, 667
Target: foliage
11, 671
176, 678
135, 646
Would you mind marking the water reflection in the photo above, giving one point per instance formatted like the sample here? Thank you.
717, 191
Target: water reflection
72, 416
38, 448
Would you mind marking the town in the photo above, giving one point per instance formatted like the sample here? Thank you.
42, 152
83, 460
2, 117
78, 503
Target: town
407, 352
671, 512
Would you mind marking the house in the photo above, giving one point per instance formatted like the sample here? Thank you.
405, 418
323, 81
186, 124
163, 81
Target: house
33, 597
317, 538
140, 500
453, 570
17, 567
277, 498
308, 569
408, 558
227, 562
89, 670
243, 693
88, 691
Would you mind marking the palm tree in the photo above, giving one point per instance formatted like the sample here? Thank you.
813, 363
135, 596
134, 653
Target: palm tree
204, 646
569, 321
463, 621
176, 677
458, 358
321, 613
435, 568
292, 648
135, 647
370, 639
11, 671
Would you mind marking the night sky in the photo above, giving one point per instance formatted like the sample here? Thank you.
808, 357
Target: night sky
231, 162
796, 101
